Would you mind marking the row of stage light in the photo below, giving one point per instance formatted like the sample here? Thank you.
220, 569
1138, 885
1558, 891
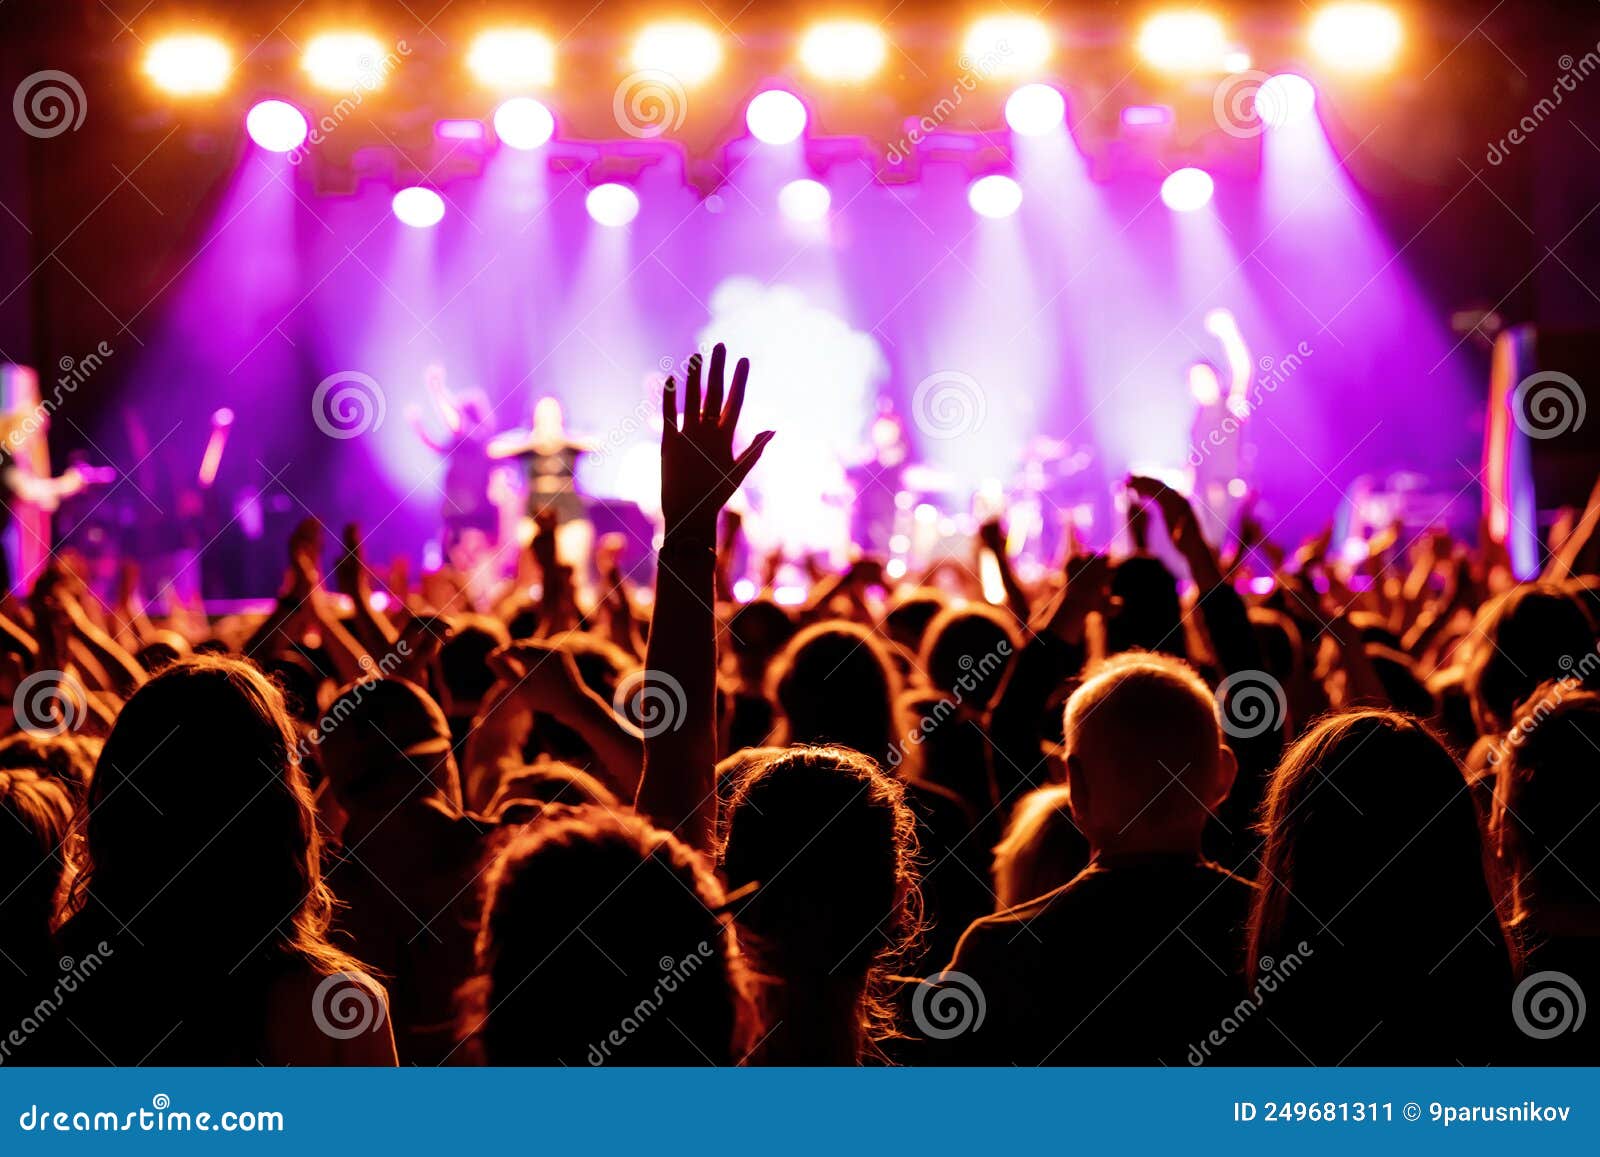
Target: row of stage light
778, 117
1350, 37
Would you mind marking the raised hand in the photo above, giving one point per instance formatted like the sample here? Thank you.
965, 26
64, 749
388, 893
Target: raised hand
699, 470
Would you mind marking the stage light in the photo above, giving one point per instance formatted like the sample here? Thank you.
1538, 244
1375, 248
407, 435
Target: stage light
804, 200
1356, 37
1035, 109
188, 65
1183, 42
1187, 190
1146, 115
418, 207
277, 126
1006, 46
1236, 61
994, 196
523, 123
344, 61
775, 117
1285, 99
612, 205
843, 50
690, 52
458, 130
512, 58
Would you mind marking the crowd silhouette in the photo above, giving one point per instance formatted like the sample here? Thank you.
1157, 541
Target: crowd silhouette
1207, 802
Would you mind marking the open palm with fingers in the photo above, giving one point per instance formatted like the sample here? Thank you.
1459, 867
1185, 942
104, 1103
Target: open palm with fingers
699, 469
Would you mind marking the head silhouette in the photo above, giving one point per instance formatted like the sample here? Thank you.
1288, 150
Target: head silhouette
835, 684
1547, 796
827, 841
383, 742
966, 651
1519, 639
1145, 756
1372, 836
650, 978
199, 829
32, 861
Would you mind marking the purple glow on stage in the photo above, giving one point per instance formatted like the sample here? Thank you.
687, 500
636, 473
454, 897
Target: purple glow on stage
1075, 319
277, 126
523, 123
418, 207
776, 117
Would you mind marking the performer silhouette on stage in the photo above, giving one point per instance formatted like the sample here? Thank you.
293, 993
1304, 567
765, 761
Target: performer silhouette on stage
550, 467
465, 449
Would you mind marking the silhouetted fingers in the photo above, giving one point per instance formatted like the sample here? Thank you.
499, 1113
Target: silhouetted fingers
691, 401
741, 374
719, 361
669, 404
747, 461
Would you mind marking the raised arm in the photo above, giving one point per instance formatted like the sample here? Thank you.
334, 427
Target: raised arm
699, 473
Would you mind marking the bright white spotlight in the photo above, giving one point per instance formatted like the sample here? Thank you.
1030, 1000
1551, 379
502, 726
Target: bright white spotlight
1356, 37
612, 205
994, 196
277, 126
804, 200
523, 123
344, 61
1006, 46
512, 58
690, 52
1035, 109
843, 51
1285, 99
1183, 42
418, 207
188, 65
775, 117
1186, 190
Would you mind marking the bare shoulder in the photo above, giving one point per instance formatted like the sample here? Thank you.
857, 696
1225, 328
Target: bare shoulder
318, 1018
